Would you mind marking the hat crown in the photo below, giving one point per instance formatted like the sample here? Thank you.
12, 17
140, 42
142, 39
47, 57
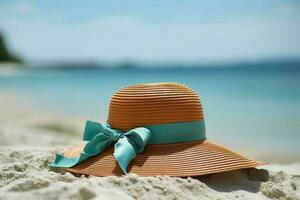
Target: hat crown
152, 104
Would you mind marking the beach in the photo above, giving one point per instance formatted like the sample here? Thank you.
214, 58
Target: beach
183, 88
29, 141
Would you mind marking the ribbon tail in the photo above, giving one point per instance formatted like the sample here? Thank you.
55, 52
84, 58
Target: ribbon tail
62, 161
92, 148
124, 153
128, 146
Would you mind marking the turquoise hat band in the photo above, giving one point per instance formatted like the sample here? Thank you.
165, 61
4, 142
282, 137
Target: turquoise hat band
177, 132
100, 137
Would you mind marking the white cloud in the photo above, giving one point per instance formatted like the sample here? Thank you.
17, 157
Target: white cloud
23, 7
287, 8
123, 38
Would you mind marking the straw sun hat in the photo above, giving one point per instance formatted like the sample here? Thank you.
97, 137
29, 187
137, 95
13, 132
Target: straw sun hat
152, 129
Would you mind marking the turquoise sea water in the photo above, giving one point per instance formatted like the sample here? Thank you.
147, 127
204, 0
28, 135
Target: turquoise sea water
255, 108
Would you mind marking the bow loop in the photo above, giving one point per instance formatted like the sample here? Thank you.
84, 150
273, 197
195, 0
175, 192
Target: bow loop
92, 129
138, 138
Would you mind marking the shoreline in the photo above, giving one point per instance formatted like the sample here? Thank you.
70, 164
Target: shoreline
10, 69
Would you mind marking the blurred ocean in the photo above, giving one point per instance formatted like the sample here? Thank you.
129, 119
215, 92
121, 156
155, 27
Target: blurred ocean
258, 108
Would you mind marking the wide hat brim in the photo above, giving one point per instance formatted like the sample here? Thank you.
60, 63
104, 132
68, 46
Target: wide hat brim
180, 159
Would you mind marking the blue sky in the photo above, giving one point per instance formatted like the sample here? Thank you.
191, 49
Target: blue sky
153, 30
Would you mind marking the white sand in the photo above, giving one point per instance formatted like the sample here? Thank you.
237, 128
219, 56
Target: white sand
28, 143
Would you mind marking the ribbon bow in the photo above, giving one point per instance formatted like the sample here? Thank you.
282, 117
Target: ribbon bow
100, 137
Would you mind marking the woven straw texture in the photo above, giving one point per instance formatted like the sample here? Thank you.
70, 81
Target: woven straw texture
181, 159
151, 104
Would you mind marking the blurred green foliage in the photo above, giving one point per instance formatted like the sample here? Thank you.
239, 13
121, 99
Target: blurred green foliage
5, 55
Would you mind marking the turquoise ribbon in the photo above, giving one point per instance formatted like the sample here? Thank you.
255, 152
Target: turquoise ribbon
99, 137
177, 132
